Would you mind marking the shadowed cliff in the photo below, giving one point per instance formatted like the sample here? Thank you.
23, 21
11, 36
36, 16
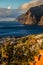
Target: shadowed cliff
34, 16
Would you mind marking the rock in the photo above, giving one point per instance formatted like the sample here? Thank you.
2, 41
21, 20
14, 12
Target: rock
34, 16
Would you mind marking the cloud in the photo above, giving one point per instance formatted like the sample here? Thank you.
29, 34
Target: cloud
9, 14
32, 3
7, 19
9, 7
24, 6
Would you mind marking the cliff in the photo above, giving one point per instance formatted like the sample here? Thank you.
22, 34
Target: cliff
34, 16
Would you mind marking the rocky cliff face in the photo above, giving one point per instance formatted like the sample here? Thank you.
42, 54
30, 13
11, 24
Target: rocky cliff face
34, 16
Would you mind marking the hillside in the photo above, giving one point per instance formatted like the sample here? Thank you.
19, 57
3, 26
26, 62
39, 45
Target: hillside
16, 51
34, 16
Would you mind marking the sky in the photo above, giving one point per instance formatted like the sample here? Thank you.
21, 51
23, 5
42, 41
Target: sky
12, 3
15, 8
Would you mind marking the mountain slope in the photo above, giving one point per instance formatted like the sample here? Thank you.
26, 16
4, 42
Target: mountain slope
33, 16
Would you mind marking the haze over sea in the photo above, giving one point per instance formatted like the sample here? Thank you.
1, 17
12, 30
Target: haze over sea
9, 28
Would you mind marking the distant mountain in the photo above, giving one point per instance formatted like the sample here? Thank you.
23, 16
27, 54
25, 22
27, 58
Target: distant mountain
34, 16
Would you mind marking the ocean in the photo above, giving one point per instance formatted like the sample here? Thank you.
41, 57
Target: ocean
16, 29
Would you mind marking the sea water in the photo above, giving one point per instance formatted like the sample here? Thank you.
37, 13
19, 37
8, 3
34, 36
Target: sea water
9, 28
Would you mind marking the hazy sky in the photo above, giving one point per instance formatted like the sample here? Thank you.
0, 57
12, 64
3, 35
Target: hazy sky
19, 6
12, 3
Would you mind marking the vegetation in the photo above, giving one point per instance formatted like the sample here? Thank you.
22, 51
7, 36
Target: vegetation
16, 51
